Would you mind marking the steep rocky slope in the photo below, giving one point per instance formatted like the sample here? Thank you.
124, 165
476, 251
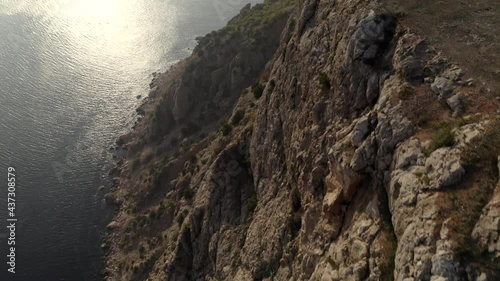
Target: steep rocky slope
360, 154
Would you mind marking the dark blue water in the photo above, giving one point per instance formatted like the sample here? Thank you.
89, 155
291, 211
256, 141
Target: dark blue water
70, 72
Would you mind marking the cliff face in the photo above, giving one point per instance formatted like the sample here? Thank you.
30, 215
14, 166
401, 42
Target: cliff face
368, 156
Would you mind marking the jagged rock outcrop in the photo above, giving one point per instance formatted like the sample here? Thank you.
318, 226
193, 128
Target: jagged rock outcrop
487, 229
424, 251
200, 90
350, 164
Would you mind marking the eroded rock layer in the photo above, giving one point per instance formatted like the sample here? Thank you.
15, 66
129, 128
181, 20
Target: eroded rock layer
354, 157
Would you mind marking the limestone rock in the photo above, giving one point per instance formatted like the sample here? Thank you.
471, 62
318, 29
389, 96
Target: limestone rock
444, 265
468, 133
365, 155
456, 104
487, 229
454, 73
442, 87
444, 168
112, 225
360, 131
371, 35
112, 199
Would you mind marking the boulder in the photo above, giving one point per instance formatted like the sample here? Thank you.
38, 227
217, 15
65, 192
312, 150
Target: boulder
373, 89
456, 104
444, 168
112, 225
455, 74
371, 36
360, 131
317, 175
487, 229
112, 199
412, 70
442, 87
364, 155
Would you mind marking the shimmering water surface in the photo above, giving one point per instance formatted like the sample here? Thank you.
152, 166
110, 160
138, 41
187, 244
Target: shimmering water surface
70, 71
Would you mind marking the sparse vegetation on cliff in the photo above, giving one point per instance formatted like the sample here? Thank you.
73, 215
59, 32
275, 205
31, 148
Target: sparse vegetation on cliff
324, 81
442, 138
257, 90
382, 178
237, 117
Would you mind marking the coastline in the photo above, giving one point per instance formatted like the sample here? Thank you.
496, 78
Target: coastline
322, 161
171, 158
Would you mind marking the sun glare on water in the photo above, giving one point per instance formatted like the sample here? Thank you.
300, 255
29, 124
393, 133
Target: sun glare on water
99, 26
93, 33
97, 10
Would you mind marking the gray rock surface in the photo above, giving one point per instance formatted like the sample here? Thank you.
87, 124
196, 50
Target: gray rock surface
113, 225
443, 87
360, 131
313, 184
487, 229
443, 168
456, 104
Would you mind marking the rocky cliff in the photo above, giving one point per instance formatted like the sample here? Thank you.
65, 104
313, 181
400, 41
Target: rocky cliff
321, 140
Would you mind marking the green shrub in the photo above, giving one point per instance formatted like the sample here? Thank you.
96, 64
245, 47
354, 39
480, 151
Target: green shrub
193, 158
296, 201
257, 90
272, 83
324, 81
291, 26
186, 229
237, 117
187, 193
405, 92
332, 263
134, 209
135, 163
182, 216
153, 214
443, 137
252, 203
226, 129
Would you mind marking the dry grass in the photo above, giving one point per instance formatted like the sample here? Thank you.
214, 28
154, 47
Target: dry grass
422, 107
482, 154
465, 202
466, 32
